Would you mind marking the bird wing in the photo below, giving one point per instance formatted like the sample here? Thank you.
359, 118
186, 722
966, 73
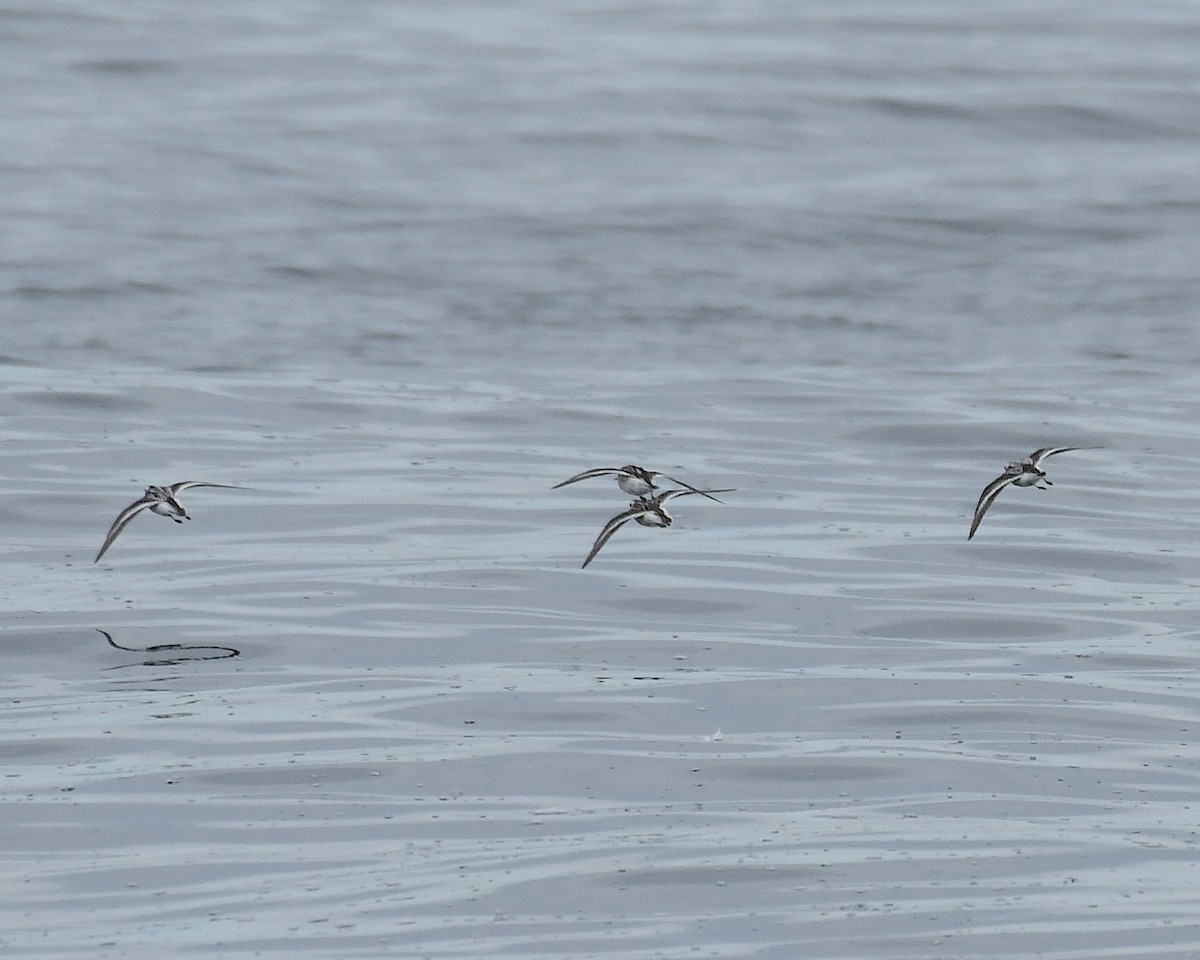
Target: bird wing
668, 494
1011, 472
990, 492
588, 474
691, 489
613, 525
176, 488
122, 522
1039, 455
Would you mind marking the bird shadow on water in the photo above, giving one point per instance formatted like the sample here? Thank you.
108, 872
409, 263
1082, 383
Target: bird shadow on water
180, 653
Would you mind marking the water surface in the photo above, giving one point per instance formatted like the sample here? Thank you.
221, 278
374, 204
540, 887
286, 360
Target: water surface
397, 270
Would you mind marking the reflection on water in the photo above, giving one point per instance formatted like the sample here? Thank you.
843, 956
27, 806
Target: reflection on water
180, 652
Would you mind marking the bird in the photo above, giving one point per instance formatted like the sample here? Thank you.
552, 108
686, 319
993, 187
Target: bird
1026, 472
634, 480
648, 512
162, 500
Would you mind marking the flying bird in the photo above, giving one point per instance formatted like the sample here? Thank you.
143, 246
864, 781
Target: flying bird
1026, 472
161, 500
649, 513
634, 480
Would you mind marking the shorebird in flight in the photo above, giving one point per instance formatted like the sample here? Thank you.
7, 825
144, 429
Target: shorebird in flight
633, 480
649, 513
1027, 472
161, 500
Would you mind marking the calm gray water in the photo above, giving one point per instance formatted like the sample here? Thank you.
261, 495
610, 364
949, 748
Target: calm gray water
397, 269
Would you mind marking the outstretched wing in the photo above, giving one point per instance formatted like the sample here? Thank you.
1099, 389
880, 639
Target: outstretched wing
588, 475
668, 494
177, 488
691, 489
990, 492
1039, 455
613, 525
122, 522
